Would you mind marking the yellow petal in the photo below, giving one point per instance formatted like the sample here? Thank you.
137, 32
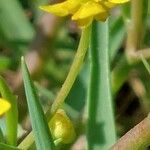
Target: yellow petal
88, 9
84, 22
118, 1
62, 9
4, 106
109, 5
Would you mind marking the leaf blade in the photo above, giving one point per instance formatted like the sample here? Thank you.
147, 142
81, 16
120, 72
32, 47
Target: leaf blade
100, 127
41, 131
7, 147
12, 114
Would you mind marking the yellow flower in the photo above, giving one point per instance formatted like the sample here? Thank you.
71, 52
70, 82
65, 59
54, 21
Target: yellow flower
83, 11
4, 106
61, 127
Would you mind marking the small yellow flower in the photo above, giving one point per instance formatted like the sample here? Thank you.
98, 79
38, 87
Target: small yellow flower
4, 106
61, 127
83, 11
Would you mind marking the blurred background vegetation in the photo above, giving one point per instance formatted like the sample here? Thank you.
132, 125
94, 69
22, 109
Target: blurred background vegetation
49, 44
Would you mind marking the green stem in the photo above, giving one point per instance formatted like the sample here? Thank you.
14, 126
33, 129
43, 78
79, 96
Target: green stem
134, 29
100, 123
27, 142
74, 70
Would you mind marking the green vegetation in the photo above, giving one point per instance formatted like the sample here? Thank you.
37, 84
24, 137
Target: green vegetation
60, 78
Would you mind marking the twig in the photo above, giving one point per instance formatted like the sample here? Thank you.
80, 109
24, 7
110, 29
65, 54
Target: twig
137, 138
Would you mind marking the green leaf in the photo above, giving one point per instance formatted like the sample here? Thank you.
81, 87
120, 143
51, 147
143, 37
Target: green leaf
7, 147
43, 138
49, 95
116, 37
100, 126
120, 74
35, 7
12, 114
14, 24
4, 63
147, 66
1, 136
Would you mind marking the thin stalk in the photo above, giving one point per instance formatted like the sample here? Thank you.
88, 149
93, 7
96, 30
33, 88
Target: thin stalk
74, 70
134, 34
100, 124
137, 138
27, 142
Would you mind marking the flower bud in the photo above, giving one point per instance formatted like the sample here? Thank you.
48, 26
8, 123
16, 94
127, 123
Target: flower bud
4, 106
61, 127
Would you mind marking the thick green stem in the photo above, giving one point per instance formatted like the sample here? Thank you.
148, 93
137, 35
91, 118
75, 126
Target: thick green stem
100, 124
74, 70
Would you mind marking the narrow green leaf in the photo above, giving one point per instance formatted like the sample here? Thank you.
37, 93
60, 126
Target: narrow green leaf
49, 95
1, 136
116, 37
100, 126
120, 74
147, 66
28, 141
41, 131
4, 63
7, 147
12, 114
35, 7
15, 28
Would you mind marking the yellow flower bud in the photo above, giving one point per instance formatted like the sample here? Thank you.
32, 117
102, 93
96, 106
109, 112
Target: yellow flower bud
4, 106
61, 127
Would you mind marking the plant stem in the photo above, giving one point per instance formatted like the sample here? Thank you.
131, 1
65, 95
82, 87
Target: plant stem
134, 36
27, 142
137, 138
74, 70
100, 124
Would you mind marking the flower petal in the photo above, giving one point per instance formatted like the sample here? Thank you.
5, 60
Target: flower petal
88, 9
84, 22
109, 5
118, 1
4, 106
62, 9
